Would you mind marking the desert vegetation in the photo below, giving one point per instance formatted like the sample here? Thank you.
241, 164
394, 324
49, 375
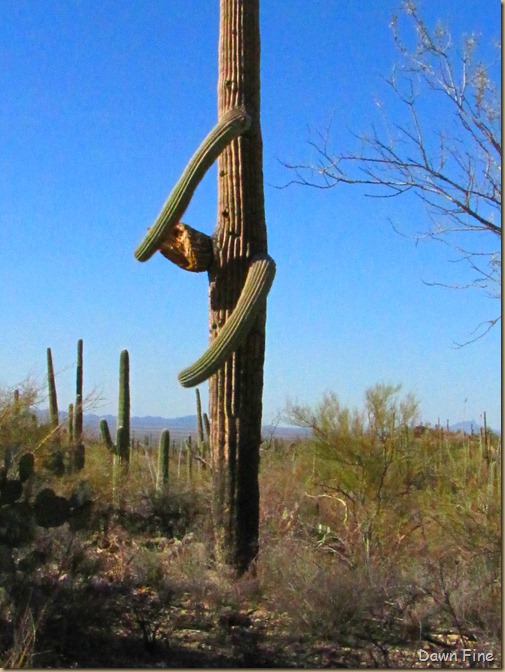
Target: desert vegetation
378, 538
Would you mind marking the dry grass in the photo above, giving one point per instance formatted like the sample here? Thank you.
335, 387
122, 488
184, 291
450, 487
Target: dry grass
360, 574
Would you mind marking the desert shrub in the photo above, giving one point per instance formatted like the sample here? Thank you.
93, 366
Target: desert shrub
18, 423
362, 461
424, 510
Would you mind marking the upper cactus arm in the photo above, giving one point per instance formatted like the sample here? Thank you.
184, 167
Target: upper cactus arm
231, 125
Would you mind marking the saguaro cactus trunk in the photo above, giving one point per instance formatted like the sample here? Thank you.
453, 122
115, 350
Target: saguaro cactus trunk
236, 389
240, 276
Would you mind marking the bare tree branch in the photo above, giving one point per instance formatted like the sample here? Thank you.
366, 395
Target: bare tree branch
454, 170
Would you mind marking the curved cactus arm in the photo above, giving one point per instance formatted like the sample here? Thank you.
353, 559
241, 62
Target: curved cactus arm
230, 126
256, 287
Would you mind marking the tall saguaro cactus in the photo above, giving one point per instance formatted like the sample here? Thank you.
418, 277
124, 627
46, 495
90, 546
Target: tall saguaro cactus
236, 390
240, 276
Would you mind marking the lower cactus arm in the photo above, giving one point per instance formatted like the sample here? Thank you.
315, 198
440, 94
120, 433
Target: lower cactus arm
256, 287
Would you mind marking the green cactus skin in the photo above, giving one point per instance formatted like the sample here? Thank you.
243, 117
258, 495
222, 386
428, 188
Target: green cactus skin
119, 467
122, 455
206, 424
163, 454
105, 433
256, 287
230, 126
78, 456
189, 456
199, 417
70, 424
53, 399
206, 441
78, 394
117, 461
123, 419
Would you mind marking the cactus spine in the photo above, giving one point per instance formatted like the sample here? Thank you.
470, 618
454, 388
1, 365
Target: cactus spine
163, 455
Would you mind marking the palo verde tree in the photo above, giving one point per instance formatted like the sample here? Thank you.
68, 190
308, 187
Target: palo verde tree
444, 147
240, 276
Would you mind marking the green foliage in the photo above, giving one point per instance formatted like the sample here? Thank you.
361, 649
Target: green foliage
360, 458
353, 548
374, 485
18, 422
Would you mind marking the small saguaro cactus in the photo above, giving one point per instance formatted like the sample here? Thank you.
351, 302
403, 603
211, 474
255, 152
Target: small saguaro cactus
163, 458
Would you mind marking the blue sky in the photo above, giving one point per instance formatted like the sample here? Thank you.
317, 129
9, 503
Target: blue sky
102, 105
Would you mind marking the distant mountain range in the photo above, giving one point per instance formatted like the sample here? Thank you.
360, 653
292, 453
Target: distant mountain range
468, 427
182, 427
153, 425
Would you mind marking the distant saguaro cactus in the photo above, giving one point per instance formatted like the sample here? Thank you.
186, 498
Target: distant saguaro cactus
123, 416
78, 417
53, 399
70, 425
240, 276
163, 456
121, 449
